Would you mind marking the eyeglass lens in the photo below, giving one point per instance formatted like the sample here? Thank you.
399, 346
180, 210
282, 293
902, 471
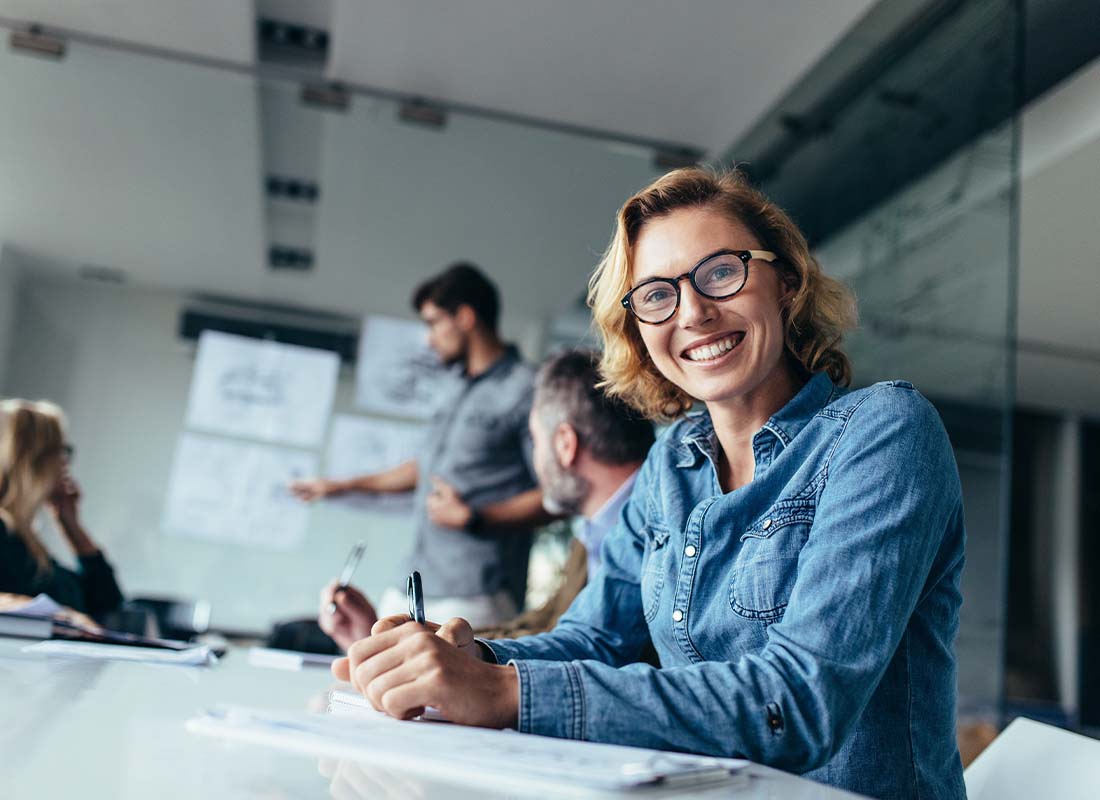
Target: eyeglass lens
716, 278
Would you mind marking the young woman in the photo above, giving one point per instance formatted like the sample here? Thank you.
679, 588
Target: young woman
34, 472
793, 551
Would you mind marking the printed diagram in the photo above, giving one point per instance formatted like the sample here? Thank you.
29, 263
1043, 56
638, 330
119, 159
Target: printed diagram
398, 373
262, 390
250, 386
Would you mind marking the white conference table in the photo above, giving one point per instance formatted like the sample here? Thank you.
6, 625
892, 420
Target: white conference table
77, 728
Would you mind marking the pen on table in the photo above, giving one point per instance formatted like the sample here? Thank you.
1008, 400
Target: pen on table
345, 574
415, 589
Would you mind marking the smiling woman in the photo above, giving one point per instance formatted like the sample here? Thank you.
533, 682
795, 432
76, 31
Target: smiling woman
792, 551
728, 213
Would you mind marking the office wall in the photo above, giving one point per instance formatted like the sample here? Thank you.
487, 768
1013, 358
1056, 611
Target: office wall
8, 280
111, 357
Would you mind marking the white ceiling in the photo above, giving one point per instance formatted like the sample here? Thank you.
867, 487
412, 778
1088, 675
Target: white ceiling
133, 163
221, 29
697, 73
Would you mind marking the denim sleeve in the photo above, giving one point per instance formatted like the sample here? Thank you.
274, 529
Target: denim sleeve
892, 492
605, 622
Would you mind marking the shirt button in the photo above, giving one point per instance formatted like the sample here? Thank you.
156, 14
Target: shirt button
677, 615
767, 524
689, 551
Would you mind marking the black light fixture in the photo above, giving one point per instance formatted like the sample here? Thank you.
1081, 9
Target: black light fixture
666, 158
35, 41
420, 112
326, 96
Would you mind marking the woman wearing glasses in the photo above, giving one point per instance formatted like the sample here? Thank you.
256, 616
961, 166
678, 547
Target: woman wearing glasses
34, 460
792, 549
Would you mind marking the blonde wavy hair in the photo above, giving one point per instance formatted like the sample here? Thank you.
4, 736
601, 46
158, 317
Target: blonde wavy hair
32, 435
815, 317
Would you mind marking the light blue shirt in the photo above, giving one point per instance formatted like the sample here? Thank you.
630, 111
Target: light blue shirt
805, 621
590, 531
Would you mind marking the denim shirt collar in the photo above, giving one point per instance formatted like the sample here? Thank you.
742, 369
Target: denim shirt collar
699, 438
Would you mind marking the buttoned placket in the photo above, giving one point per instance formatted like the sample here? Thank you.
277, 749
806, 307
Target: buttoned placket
685, 580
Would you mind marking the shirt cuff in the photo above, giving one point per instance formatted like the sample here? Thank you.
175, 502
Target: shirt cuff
551, 700
487, 650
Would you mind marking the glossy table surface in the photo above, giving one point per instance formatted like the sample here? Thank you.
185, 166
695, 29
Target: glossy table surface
76, 728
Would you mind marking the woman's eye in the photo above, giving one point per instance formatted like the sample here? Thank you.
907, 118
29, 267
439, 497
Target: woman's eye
657, 295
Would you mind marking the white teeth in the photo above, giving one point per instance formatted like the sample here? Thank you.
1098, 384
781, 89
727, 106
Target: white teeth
712, 350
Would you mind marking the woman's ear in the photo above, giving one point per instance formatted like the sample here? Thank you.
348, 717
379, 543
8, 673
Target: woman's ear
566, 444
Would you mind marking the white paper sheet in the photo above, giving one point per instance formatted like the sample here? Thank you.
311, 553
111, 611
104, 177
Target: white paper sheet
262, 390
293, 660
41, 606
461, 753
397, 372
361, 446
197, 656
236, 492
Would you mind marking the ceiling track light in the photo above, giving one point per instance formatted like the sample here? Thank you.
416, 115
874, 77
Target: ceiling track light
35, 41
420, 112
667, 158
326, 96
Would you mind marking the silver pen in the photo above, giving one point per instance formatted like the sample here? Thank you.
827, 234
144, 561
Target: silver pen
354, 557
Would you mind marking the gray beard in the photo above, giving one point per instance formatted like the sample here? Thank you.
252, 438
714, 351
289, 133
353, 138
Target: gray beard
563, 492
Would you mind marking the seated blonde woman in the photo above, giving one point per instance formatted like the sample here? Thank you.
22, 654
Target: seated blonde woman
34, 458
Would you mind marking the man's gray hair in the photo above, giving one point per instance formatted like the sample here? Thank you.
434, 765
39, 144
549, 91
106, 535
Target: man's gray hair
566, 391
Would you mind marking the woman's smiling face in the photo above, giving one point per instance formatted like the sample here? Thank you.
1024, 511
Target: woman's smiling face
717, 351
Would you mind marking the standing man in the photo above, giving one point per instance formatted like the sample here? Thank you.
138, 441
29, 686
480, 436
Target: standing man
472, 554
588, 448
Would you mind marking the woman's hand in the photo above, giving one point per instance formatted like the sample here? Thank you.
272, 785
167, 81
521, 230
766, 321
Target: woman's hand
353, 617
404, 667
63, 502
65, 499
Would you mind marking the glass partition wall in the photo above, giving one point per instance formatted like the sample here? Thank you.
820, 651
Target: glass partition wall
905, 177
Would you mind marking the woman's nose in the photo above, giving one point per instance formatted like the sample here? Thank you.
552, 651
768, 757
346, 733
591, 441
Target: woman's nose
695, 309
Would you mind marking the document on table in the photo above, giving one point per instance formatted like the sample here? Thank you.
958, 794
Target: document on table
42, 605
197, 656
276, 658
465, 754
349, 701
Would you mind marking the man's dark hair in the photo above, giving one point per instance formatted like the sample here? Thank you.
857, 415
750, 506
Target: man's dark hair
461, 284
566, 391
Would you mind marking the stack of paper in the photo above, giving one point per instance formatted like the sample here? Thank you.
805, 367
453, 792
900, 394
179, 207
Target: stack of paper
464, 754
196, 656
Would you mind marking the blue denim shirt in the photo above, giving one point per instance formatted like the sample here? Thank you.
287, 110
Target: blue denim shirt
805, 621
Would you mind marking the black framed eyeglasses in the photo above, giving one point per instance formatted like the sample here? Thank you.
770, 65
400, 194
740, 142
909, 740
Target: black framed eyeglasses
719, 276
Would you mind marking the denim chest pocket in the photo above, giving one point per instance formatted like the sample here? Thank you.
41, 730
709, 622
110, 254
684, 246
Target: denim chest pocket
654, 566
767, 566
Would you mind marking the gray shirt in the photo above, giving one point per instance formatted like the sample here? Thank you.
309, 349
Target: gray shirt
479, 443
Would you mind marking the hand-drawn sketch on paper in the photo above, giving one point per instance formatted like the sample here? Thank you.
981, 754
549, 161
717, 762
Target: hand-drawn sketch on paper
236, 492
398, 373
262, 390
362, 446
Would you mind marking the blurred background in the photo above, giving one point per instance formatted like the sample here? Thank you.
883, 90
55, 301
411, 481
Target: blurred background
289, 170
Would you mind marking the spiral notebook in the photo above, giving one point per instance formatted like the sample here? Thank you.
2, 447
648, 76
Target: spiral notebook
465, 754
